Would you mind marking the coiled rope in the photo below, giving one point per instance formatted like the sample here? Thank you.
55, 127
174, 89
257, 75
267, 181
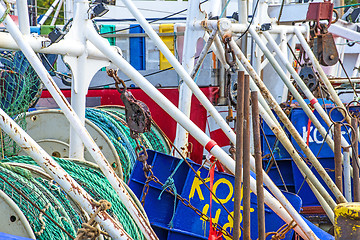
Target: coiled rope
38, 194
92, 180
113, 124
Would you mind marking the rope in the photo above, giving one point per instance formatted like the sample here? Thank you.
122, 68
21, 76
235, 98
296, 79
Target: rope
170, 183
49, 210
113, 124
95, 183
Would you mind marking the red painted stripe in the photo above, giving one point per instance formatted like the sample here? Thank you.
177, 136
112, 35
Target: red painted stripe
313, 101
210, 145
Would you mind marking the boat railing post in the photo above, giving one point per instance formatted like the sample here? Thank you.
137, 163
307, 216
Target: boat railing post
273, 104
288, 123
355, 156
239, 154
337, 156
246, 160
67, 183
258, 166
79, 128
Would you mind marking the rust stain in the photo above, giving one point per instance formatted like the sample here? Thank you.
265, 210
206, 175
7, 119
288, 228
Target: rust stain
59, 92
204, 23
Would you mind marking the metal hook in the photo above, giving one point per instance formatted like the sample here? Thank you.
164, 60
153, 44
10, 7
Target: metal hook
352, 113
338, 107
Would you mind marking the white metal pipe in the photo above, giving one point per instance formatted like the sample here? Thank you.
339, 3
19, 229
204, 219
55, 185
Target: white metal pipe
181, 71
347, 175
48, 12
273, 104
344, 81
82, 132
241, 28
309, 95
188, 60
56, 14
242, 11
321, 72
300, 141
64, 47
340, 30
23, 16
79, 89
220, 53
283, 47
67, 183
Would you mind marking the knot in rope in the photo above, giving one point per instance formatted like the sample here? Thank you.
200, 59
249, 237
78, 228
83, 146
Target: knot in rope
88, 232
170, 183
103, 205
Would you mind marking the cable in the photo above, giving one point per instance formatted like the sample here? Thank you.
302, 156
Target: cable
252, 19
155, 20
281, 10
146, 75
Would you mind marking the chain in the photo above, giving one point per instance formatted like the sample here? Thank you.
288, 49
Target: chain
112, 73
230, 56
142, 156
282, 231
189, 205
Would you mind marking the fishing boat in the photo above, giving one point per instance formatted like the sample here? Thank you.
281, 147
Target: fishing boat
106, 135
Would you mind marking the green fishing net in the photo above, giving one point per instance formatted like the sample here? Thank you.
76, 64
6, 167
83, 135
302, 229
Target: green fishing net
20, 88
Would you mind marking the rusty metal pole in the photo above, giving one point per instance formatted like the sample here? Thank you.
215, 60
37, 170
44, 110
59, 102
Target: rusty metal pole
258, 165
355, 156
337, 156
239, 154
246, 160
275, 106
